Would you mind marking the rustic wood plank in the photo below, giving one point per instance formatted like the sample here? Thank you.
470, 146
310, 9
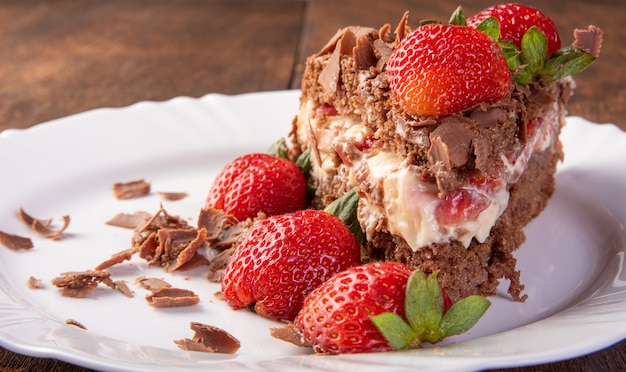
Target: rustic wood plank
67, 56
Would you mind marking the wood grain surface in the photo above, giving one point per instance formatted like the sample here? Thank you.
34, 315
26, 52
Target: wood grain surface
62, 57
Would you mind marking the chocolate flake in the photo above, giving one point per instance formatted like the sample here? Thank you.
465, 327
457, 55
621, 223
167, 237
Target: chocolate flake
152, 284
171, 297
15, 242
75, 323
117, 258
42, 227
132, 189
589, 40
129, 220
34, 283
290, 334
209, 339
79, 284
173, 196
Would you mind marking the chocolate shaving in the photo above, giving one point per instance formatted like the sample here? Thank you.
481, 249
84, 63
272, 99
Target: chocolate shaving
129, 220
75, 323
173, 196
215, 222
117, 258
15, 242
122, 287
132, 189
209, 339
402, 29
171, 297
589, 40
363, 52
344, 43
42, 227
214, 276
290, 334
79, 284
168, 241
34, 283
152, 284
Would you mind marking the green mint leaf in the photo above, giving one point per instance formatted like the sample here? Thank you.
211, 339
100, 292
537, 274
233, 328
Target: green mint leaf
458, 18
346, 209
534, 49
395, 330
566, 61
279, 149
490, 26
463, 315
423, 304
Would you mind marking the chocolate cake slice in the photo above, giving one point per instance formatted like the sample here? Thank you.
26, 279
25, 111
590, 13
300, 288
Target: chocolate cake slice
451, 193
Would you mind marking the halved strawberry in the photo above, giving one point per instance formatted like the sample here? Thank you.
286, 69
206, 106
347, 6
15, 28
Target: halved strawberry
255, 183
441, 69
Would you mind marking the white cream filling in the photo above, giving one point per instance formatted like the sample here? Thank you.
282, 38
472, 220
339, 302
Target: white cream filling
408, 203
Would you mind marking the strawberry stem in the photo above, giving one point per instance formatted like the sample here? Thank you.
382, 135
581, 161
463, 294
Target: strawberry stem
346, 209
424, 309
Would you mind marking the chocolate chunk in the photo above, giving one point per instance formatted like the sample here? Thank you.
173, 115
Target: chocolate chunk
129, 220
172, 297
209, 339
589, 40
363, 53
289, 334
79, 283
34, 283
132, 189
15, 242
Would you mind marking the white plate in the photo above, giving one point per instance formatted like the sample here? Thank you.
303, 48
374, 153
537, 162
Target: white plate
572, 262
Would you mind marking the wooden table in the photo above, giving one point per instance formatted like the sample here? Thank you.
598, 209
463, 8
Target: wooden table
61, 57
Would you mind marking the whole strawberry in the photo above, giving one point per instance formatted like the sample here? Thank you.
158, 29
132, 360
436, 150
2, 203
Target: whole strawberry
382, 306
441, 69
282, 258
256, 183
515, 20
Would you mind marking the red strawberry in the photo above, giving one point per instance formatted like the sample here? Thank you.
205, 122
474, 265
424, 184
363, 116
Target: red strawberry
515, 20
256, 183
335, 317
382, 306
441, 69
460, 206
282, 258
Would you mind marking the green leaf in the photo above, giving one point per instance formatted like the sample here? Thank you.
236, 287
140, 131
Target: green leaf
458, 18
534, 49
399, 334
346, 209
428, 21
423, 304
304, 163
279, 149
463, 315
490, 26
566, 61
511, 53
